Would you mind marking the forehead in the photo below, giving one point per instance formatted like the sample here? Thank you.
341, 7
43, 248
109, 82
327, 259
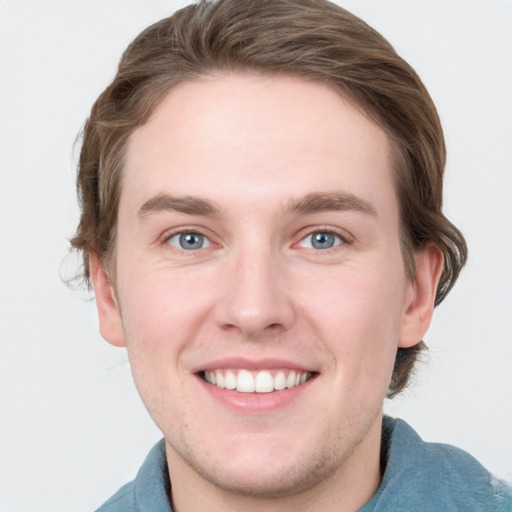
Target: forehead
256, 138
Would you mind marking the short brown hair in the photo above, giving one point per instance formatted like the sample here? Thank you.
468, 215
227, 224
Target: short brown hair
312, 39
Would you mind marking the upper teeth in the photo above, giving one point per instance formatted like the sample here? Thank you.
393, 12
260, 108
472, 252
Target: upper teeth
263, 381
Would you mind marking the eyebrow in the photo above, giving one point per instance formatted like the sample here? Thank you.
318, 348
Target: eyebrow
316, 202
313, 202
190, 205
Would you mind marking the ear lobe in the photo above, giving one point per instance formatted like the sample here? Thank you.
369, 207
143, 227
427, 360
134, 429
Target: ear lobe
111, 327
419, 305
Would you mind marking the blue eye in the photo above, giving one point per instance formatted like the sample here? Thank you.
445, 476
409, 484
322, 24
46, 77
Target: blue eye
321, 240
189, 241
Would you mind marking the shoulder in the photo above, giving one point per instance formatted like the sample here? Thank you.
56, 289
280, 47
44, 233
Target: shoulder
122, 501
432, 476
149, 491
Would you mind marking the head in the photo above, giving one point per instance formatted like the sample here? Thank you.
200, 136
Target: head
265, 49
314, 40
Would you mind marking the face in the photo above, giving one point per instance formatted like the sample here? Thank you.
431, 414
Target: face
260, 286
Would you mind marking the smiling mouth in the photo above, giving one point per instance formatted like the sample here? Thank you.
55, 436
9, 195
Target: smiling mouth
264, 381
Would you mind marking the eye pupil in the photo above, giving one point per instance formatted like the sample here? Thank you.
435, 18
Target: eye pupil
322, 240
191, 241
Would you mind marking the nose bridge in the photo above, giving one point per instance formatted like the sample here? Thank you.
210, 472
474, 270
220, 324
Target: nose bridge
254, 299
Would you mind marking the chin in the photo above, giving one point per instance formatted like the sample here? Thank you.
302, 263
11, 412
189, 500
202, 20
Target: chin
266, 470
267, 481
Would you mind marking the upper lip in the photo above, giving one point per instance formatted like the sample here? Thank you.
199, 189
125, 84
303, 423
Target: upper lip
253, 364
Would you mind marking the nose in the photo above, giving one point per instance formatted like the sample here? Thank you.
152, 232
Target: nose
254, 299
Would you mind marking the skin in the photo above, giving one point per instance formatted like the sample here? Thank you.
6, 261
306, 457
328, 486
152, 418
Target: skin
259, 293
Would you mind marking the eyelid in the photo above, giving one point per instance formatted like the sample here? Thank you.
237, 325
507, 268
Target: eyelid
346, 238
204, 241
167, 235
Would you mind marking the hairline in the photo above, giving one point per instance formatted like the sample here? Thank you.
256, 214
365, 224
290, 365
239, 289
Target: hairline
396, 161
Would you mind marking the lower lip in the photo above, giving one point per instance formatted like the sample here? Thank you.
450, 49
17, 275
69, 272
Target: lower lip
255, 402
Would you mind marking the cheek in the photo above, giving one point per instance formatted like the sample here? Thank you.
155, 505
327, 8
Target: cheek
161, 318
358, 299
156, 295
160, 313
358, 316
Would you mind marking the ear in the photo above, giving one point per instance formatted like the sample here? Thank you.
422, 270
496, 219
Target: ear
420, 297
111, 327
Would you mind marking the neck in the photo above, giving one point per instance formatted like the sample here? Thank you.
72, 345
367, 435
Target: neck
346, 489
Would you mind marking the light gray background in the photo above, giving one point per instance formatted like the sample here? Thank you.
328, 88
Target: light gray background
72, 428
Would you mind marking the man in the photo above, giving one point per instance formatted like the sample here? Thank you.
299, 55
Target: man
261, 191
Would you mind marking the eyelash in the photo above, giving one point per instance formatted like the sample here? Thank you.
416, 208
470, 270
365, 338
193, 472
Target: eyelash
342, 235
185, 231
307, 232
